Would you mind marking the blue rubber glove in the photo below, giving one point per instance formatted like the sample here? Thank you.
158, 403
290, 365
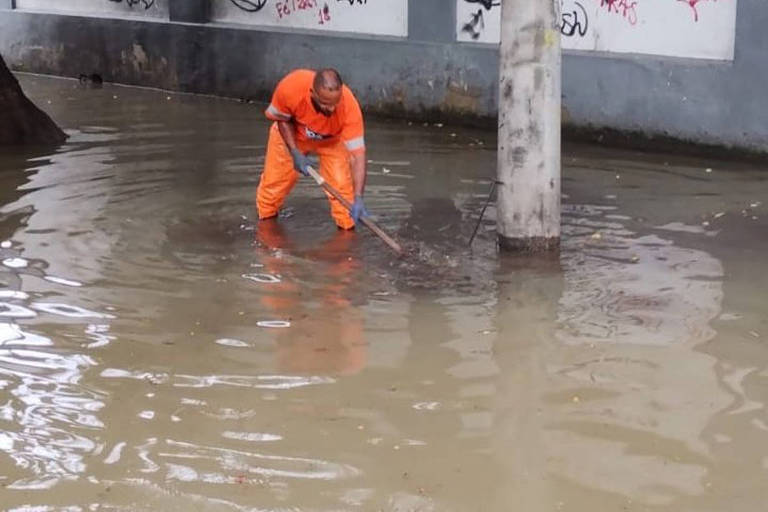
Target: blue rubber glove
302, 161
358, 209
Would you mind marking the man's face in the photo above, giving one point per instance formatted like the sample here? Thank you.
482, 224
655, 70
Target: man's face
325, 101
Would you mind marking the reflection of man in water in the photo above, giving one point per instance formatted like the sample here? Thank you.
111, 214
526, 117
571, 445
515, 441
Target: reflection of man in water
314, 114
327, 336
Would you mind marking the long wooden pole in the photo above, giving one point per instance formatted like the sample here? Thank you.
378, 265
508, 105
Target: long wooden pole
365, 220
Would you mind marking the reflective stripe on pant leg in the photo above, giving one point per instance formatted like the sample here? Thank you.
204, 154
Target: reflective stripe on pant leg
335, 168
278, 177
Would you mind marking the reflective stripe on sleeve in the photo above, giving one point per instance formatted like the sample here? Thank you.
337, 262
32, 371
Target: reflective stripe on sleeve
272, 110
354, 144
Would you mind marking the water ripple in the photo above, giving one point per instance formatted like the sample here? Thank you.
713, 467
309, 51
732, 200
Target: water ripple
622, 287
257, 463
208, 381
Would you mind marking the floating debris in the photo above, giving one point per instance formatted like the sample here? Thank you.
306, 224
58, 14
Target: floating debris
62, 281
15, 263
274, 324
228, 342
262, 278
394, 163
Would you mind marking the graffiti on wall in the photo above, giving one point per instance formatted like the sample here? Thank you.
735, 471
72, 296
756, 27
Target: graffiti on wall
386, 17
679, 28
693, 4
131, 3
475, 25
574, 20
250, 5
624, 8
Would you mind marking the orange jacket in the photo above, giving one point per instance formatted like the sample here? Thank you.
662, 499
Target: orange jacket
292, 101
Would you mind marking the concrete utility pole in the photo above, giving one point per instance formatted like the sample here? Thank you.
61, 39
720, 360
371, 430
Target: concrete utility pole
529, 126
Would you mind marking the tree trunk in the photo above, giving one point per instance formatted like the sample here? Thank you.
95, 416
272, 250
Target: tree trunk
21, 122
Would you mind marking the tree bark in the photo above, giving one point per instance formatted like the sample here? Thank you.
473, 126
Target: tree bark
21, 122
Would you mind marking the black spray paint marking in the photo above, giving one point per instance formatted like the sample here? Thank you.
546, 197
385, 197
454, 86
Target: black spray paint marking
130, 3
248, 5
575, 21
485, 3
475, 26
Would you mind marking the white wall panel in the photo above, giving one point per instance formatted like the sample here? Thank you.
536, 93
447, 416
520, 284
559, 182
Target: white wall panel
151, 8
704, 29
380, 17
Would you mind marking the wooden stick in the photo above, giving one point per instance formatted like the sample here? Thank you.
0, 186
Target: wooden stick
365, 220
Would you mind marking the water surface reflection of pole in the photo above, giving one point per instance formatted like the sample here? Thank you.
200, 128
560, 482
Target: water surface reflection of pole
525, 323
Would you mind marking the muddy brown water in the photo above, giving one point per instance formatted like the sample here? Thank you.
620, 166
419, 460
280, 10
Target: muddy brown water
160, 350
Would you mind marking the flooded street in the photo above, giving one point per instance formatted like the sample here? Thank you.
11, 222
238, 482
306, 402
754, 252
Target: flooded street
160, 350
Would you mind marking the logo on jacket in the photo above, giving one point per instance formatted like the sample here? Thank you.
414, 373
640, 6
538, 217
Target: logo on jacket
314, 135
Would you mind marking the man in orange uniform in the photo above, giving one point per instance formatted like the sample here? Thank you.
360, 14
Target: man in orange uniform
314, 114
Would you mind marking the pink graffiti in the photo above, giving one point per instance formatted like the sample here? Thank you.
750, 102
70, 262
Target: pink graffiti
693, 4
286, 8
625, 8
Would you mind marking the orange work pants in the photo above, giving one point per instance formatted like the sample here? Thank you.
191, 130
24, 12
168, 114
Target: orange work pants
279, 176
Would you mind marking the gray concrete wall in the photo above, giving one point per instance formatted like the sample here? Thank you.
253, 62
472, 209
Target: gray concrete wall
427, 74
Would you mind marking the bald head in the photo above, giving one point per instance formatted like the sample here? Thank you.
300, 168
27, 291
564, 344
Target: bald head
328, 79
326, 91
